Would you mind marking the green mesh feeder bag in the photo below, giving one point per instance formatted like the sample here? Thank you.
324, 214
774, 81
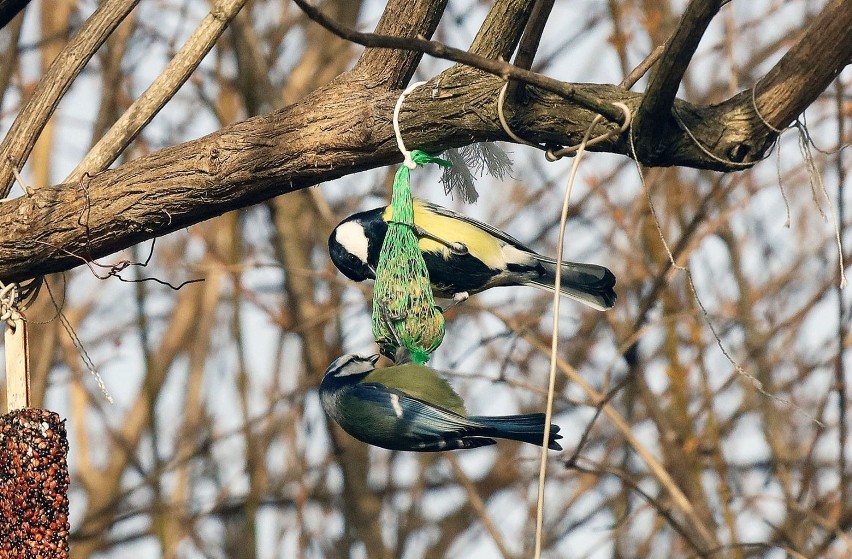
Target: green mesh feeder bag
404, 311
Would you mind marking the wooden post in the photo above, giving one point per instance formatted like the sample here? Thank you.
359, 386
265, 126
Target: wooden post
17, 364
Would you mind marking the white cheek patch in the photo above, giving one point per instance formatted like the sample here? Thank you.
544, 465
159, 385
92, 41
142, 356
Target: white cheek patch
351, 236
356, 368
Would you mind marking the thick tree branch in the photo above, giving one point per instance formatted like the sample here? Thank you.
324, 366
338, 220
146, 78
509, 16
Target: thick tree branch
405, 20
821, 52
337, 130
21, 138
532, 33
500, 32
654, 118
344, 128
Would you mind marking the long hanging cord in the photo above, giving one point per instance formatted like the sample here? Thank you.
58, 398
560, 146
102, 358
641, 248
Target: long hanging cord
553, 156
554, 343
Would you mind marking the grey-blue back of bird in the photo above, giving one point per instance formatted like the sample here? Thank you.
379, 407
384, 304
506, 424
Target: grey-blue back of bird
413, 407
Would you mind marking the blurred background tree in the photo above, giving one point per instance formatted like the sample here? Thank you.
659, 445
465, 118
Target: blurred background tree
216, 445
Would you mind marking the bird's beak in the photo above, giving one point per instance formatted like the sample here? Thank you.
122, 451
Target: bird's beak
374, 358
372, 270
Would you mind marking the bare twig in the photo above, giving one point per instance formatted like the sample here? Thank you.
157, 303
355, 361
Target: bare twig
140, 113
636, 74
661, 509
530, 41
439, 50
654, 112
478, 505
30, 121
111, 74
679, 499
9, 57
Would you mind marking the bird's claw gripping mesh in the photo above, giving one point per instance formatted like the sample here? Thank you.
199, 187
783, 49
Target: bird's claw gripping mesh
404, 310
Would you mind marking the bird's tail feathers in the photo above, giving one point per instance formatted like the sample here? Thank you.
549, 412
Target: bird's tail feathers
527, 428
587, 283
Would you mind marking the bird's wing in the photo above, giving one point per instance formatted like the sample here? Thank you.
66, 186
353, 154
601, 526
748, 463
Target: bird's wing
423, 419
491, 230
419, 382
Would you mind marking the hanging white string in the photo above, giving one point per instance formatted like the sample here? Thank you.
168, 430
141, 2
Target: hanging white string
556, 155
813, 175
818, 185
553, 156
501, 99
407, 154
554, 343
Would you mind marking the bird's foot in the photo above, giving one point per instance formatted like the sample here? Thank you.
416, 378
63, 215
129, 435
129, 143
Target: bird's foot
457, 299
460, 297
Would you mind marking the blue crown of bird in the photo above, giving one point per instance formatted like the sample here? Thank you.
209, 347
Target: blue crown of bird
465, 256
412, 407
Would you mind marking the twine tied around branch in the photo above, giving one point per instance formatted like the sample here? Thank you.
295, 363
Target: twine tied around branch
557, 154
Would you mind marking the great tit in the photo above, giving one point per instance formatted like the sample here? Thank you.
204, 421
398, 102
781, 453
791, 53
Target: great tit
412, 407
464, 256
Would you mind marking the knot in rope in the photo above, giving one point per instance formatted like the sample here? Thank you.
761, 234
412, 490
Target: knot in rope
9, 301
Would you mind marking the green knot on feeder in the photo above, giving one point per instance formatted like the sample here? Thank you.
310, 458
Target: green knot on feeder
404, 311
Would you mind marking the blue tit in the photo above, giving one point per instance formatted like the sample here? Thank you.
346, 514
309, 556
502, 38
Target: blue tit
464, 256
412, 407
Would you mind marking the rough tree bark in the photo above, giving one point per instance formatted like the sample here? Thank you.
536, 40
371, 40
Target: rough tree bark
345, 127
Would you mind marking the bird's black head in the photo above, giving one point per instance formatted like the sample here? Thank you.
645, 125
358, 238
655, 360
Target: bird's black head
355, 244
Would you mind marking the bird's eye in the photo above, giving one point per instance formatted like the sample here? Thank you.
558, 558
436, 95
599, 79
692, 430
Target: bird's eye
352, 258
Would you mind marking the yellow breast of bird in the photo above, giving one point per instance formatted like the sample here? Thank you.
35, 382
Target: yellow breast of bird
480, 244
